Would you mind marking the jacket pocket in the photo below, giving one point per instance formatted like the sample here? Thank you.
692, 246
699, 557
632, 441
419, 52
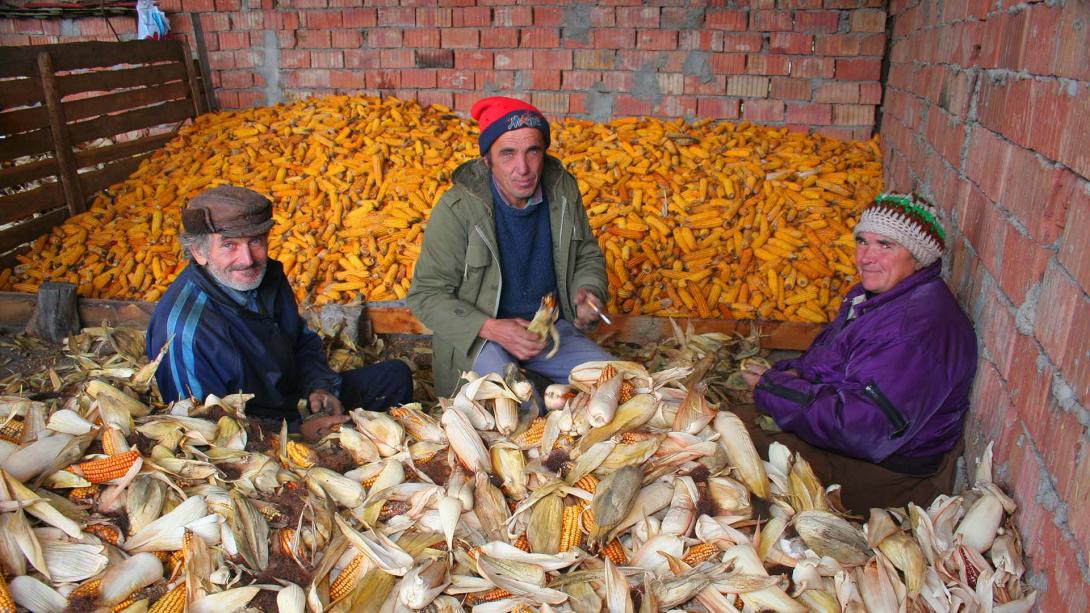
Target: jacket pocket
478, 258
895, 417
786, 393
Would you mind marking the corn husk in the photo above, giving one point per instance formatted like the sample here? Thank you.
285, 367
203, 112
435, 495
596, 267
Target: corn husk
829, 535
612, 502
36, 596
741, 453
133, 573
228, 600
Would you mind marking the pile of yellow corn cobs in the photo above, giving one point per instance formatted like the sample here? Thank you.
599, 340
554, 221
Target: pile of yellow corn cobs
700, 220
634, 492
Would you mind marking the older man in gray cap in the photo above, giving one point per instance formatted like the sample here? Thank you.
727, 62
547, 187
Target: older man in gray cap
234, 326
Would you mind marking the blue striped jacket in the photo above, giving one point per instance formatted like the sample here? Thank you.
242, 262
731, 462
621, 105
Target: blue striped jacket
221, 348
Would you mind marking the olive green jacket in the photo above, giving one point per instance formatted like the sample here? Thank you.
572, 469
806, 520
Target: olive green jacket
456, 282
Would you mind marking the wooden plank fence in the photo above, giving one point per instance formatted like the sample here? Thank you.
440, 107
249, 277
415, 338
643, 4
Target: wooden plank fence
58, 101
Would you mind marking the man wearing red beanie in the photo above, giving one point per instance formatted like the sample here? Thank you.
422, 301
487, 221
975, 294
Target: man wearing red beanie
511, 230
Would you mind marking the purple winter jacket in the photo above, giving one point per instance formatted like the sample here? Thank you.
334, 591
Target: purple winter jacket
892, 381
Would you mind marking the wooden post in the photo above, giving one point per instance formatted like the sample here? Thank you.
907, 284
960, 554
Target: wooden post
202, 55
62, 143
187, 57
56, 315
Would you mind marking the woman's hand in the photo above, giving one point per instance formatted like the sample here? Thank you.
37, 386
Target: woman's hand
316, 427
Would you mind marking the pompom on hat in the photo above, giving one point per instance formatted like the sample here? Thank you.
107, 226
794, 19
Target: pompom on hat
909, 221
500, 114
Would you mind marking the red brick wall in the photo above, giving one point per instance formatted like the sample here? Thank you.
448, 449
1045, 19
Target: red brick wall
987, 110
808, 64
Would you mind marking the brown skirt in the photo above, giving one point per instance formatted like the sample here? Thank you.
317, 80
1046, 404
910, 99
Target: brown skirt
863, 485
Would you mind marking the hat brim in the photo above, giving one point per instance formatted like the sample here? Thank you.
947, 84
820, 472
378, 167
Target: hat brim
249, 230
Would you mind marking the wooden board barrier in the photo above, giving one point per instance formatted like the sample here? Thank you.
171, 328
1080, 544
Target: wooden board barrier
395, 318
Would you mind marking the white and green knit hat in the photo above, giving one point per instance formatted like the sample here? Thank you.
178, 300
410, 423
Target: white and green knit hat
907, 219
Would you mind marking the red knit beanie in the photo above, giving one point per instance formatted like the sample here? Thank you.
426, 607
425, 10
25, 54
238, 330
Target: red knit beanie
499, 114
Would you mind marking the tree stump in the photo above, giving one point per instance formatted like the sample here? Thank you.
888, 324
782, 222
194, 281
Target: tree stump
56, 315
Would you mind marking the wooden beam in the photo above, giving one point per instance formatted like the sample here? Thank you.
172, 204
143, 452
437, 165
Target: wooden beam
206, 66
395, 318
54, 315
191, 76
62, 142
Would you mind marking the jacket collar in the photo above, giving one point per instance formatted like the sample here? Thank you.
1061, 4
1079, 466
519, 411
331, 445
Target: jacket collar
477, 178
265, 292
908, 284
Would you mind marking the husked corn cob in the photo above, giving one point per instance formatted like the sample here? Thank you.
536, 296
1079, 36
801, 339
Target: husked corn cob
523, 543
109, 468
532, 434
301, 455
628, 391
86, 590
615, 552
570, 534
635, 437
701, 220
83, 495
12, 431
588, 482
109, 533
496, 593
393, 508
285, 545
171, 602
347, 579
7, 603
608, 372
699, 553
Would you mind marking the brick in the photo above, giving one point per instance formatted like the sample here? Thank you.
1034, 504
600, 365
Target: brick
362, 58
595, 59
500, 38
472, 16
603, 17
809, 114
460, 38
384, 37
790, 43
291, 58
397, 58
416, 38
540, 79
785, 88
428, 98
816, 22
236, 79
762, 110
868, 21
637, 17
1076, 133
697, 86
544, 38
346, 79
768, 64
396, 16
514, 59
552, 102
434, 58
718, 107
210, 22
1064, 328
627, 105
772, 21
383, 79
248, 21
671, 84
345, 39
748, 86
198, 6
580, 79
326, 58
228, 5
234, 40
853, 115
455, 79
1037, 194
837, 92
838, 44
704, 40
558, 59
433, 17
677, 106
1071, 57
613, 38
513, 16
495, 80
662, 40
312, 78
813, 67
742, 42
319, 20
472, 59
548, 16
1052, 104
726, 19
859, 69
359, 18
1073, 243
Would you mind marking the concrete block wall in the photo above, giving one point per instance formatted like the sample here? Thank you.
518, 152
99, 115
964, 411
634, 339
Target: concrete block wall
987, 111
806, 64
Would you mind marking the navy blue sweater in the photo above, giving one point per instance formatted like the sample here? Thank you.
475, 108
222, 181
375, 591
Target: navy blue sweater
222, 348
526, 255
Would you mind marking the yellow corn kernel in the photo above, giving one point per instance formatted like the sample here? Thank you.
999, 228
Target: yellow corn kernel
615, 552
171, 602
347, 579
109, 468
699, 553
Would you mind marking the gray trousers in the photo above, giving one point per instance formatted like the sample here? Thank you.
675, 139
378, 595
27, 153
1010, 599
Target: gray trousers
575, 349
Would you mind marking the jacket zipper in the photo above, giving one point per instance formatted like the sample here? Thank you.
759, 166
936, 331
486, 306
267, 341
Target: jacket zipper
892, 414
786, 393
496, 260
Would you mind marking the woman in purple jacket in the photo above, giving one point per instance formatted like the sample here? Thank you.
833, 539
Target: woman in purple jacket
877, 401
